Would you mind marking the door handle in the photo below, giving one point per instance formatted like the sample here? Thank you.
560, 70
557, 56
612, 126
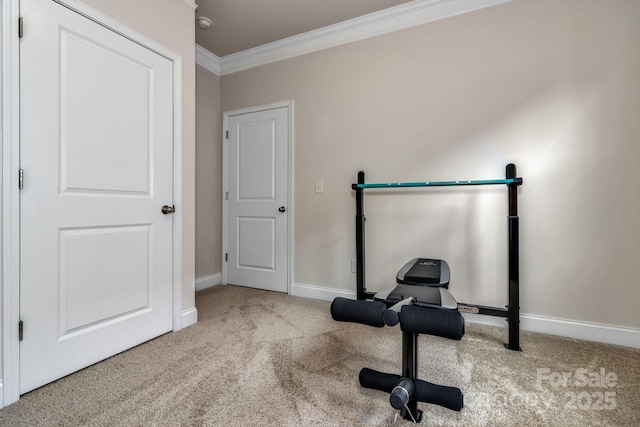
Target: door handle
282, 209
168, 209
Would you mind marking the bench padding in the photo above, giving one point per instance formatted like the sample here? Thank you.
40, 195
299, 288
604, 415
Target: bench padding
425, 272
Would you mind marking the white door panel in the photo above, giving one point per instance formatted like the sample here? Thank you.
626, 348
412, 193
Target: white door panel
98, 280
256, 149
256, 239
97, 151
258, 171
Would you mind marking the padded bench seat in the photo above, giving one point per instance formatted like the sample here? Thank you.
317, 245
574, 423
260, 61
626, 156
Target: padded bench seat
424, 279
425, 272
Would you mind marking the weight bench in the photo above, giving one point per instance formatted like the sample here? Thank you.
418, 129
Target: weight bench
421, 303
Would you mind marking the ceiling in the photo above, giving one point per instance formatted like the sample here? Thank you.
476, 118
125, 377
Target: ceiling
243, 24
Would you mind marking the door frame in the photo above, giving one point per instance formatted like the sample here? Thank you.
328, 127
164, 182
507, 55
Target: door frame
225, 187
10, 284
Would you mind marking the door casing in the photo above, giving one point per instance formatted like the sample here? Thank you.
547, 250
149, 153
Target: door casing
10, 386
290, 206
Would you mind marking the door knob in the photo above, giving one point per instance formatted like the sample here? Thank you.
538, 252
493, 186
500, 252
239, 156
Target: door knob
168, 209
282, 209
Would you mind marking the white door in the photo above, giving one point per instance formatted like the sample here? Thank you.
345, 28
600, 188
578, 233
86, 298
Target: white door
96, 149
258, 193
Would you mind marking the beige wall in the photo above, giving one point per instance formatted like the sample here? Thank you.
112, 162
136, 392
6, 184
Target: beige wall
551, 86
171, 24
208, 175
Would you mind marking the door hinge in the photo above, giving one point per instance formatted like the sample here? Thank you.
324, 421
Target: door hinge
226, 195
226, 257
20, 330
20, 27
227, 134
20, 179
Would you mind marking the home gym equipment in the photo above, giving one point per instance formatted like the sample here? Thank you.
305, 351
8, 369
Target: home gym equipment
512, 310
421, 304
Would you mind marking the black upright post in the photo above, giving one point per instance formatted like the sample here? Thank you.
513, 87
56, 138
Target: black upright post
361, 295
513, 309
409, 370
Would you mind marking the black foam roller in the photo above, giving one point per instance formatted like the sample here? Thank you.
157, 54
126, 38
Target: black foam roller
449, 397
432, 321
378, 380
424, 391
365, 312
390, 317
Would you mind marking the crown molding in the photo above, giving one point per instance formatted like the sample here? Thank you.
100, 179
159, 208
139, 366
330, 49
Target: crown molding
406, 15
208, 60
411, 14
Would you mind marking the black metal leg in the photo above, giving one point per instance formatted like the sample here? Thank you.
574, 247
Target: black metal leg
409, 370
513, 309
360, 267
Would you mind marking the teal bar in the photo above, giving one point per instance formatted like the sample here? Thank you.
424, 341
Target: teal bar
437, 183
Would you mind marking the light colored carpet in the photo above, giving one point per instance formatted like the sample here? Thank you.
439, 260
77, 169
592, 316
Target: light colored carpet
259, 358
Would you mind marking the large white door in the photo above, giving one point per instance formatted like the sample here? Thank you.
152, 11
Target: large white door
258, 193
96, 149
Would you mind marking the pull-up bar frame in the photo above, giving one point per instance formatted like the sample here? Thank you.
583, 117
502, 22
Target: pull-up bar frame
439, 183
512, 311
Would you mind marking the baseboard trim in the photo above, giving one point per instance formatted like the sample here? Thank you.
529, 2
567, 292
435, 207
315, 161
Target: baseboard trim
589, 331
189, 317
208, 282
608, 334
319, 292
